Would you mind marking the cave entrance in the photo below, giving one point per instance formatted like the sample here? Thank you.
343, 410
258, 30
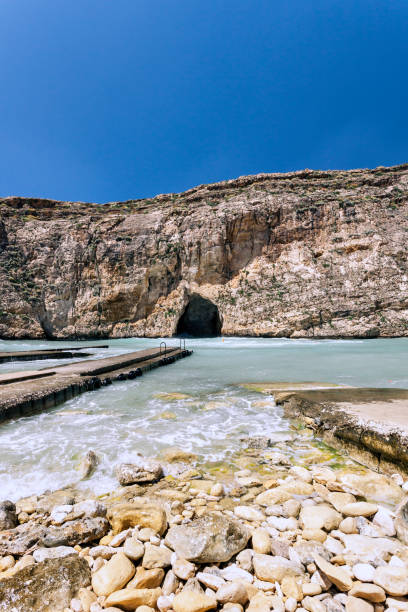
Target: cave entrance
200, 318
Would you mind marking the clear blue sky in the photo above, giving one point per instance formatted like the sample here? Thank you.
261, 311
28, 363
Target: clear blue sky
115, 99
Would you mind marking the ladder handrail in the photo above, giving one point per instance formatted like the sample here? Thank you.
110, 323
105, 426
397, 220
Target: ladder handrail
165, 347
184, 343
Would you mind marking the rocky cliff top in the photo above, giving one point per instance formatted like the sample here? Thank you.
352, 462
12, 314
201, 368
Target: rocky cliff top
302, 254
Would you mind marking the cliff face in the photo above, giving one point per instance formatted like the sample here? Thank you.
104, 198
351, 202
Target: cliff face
304, 254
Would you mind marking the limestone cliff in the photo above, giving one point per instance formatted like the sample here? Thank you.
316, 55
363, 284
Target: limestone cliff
304, 254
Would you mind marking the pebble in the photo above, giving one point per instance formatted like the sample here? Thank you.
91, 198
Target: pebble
364, 572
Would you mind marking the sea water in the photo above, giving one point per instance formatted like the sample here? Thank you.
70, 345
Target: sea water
196, 404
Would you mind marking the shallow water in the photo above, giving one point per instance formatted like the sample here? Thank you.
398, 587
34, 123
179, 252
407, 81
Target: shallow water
210, 418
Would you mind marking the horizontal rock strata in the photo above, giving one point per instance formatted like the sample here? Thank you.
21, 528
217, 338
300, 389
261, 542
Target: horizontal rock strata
304, 254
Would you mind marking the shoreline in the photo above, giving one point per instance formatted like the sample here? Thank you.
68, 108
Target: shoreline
303, 538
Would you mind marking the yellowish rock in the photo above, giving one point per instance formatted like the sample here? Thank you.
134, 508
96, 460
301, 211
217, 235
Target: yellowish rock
261, 541
87, 598
140, 513
291, 588
113, 576
355, 604
318, 535
147, 578
360, 509
335, 574
321, 516
171, 397
129, 599
366, 590
193, 601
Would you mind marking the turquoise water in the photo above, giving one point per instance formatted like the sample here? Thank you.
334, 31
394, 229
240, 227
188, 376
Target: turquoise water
118, 422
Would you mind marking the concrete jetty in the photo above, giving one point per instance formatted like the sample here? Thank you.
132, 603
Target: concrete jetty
24, 393
56, 353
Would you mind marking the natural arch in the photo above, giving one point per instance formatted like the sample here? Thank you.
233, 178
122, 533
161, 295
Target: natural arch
200, 318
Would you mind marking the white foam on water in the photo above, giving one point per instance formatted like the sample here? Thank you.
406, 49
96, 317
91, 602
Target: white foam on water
42, 451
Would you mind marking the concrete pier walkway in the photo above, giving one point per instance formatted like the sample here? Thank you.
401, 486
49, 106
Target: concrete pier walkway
57, 353
23, 393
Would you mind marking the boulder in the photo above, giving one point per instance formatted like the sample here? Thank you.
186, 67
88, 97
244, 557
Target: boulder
48, 586
141, 512
88, 464
8, 516
209, 539
129, 473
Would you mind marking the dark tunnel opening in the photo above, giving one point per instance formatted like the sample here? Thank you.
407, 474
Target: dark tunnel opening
200, 319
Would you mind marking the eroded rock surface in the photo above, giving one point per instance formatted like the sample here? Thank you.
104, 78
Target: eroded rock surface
303, 254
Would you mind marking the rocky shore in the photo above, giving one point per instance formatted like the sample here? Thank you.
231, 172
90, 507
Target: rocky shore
313, 538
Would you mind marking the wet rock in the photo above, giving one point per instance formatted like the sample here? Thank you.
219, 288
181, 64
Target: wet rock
129, 473
191, 601
302, 473
249, 513
274, 568
141, 513
256, 442
88, 464
209, 539
44, 587
176, 455
284, 492
8, 516
113, 576
129, 599
339, 500
373, 486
